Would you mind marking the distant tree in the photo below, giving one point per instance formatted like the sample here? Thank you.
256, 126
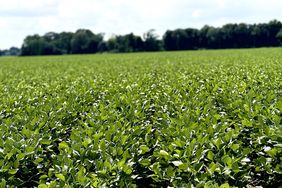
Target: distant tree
95, 42
122, 44
211, 37
265, 34
279, 37
229, 37
274, 28
33, 45
112, 45
63, 42
214, 37
191, 40
80, 41
260, 35
241, 36
125, 43
135, 42
14, 51
51, 47
51, 36
151, 42
182, 39
102, 47
203, 40
169, 41
84, 41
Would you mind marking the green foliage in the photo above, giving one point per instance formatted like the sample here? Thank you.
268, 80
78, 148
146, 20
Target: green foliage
181, 119
83, 41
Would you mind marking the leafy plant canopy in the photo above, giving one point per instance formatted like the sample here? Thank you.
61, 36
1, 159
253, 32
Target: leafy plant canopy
168, 119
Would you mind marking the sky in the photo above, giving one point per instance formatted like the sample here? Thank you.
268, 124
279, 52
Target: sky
20, 18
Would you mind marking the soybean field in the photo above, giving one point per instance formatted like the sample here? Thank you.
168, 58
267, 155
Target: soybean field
208, 118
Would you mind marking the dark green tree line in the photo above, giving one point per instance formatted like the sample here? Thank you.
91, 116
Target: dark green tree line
81, 42
228, 36
13, 51
84, 41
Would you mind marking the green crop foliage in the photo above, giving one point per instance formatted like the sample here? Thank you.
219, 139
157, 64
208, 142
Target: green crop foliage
168, 119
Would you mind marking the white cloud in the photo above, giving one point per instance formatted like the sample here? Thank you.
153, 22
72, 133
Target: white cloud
20, 8
197, 13
19, 18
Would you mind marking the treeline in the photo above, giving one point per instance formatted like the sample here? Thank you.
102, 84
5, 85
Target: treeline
229, 36
13, 51
84, 41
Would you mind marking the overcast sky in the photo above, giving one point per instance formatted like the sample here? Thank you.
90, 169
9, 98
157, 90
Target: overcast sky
19, 18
